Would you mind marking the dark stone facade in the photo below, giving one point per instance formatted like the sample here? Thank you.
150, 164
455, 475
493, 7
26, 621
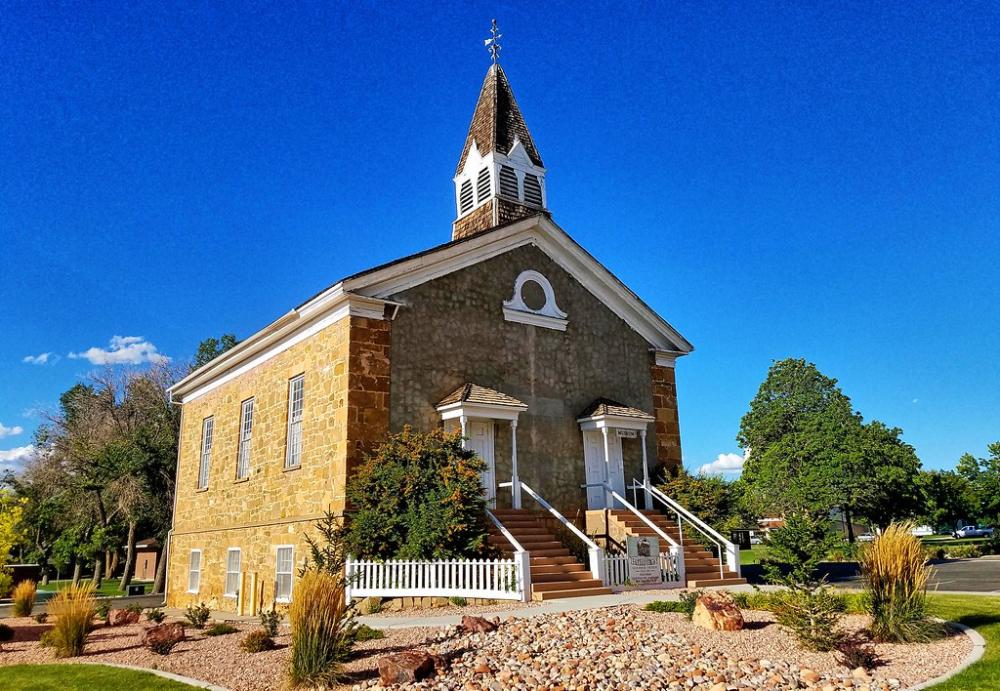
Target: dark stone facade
452, 330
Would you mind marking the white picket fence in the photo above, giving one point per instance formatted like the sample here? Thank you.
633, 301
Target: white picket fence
495, 579
618, 575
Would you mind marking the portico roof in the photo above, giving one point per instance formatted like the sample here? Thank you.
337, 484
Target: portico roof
481, 395
605, 407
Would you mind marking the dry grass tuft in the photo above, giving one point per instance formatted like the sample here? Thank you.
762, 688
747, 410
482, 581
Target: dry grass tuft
74, 609
322, 630
896, 574
24, 599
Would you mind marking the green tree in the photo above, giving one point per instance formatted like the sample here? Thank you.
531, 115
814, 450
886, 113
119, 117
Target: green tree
888, 476
418, 496
983, 474
949, 498
713, 499
11, 516
211, 348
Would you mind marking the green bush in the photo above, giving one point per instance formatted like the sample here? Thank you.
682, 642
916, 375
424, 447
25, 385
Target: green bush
220, 629
811, 615
418, 496
270, 620
458, 601
895, 573
6, 633
851, 603
102, 609
964, 551
198, 615
257, 641
41, 618
156, 615
367, 633
665, 606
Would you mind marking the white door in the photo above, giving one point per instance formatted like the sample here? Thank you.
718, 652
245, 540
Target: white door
593, 457
480, 440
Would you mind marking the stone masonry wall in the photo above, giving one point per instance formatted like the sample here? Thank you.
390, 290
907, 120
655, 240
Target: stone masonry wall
273, 505
668, 428
452, 330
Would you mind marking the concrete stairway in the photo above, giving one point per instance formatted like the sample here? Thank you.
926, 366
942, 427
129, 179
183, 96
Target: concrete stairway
701, 568
555, 573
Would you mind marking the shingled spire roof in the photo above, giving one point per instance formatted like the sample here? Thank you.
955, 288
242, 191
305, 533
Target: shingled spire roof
497, 121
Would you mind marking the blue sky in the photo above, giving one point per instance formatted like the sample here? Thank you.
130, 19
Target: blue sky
775, 179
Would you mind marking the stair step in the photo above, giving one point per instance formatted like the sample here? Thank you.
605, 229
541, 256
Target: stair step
574, 592
546, 587
558, 569
712, 582
560, 577
539, 560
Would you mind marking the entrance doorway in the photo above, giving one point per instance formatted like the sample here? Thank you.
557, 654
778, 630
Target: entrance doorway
480, 440
593, 457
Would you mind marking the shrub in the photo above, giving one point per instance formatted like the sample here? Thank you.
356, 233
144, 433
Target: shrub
220, 629
689, 598
73, 609
24, 599
895, 572
367, 633
807, 607
418, 496
6, 580
322, 629
270, 620
162, 646
257, 641
41, 618
102, 608
854, 652
156, 615
458, 601
6, 633
373, 605
198, 615
964, 552
134, 609
664, 606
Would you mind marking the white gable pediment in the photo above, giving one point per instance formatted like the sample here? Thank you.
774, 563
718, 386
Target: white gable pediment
538, 231
518, 154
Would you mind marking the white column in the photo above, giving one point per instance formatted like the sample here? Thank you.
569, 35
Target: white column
515, 480
463, 421
608, 502
645, 472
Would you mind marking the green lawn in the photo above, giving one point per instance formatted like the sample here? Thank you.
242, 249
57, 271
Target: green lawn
84, 678
109, 588
752, 555
983, 614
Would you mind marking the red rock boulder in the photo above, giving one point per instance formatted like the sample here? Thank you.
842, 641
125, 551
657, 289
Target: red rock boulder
717, 611
478, 624
122, 617
406, 667
163, 636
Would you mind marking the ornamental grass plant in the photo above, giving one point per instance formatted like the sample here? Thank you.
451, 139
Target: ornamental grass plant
322, 629
74, 609
895, 572
24, 599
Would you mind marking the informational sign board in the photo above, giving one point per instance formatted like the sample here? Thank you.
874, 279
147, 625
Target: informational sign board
627, 433
644, 560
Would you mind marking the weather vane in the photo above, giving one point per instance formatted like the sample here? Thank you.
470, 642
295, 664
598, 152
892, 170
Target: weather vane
493, 43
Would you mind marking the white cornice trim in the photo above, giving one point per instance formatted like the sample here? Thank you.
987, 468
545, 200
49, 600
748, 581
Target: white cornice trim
534, 319
667, 358
480, 411
327, 308
614, 422
557, 245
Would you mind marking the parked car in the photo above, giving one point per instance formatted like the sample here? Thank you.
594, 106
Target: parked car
922, 531
866, 537
973, 531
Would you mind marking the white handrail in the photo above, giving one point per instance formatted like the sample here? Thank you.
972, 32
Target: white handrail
521, 556
645, 519
566, 522
506, 533
732, 554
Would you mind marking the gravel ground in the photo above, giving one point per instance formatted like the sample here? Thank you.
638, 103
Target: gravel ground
217, 659
615, 647
455, 610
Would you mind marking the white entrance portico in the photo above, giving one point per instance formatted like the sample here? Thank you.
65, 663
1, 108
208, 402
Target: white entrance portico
604, 423
477, 408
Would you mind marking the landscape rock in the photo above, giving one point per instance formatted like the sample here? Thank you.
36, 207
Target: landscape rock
478, 624
162, 633
122, 617
405, 667
716, 611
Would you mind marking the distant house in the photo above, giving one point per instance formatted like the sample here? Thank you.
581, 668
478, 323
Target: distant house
147, 554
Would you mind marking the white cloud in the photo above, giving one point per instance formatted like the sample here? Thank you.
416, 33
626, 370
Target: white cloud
9, 431
41, 359
16, 455
916, 400
123, 350
725, 464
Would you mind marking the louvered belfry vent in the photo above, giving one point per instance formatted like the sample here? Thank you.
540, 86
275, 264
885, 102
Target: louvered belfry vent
508, 182
466, 200
483, 184
532, 191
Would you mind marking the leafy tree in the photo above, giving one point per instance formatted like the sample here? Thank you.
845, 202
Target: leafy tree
418, 496
949, 498
888, 476
983, 474
211, 348
11, 515
712, 498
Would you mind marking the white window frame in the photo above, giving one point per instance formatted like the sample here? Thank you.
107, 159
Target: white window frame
194, 574
246, 434
205, 459
290, 573
233, 592
293, 434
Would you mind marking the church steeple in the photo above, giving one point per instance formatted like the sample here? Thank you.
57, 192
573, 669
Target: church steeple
500, 176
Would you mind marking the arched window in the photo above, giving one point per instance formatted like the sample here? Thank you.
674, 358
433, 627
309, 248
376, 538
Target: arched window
483, 184
465, 200
508, 182
532, 191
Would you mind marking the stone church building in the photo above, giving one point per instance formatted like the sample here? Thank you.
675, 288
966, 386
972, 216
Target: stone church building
558, 374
